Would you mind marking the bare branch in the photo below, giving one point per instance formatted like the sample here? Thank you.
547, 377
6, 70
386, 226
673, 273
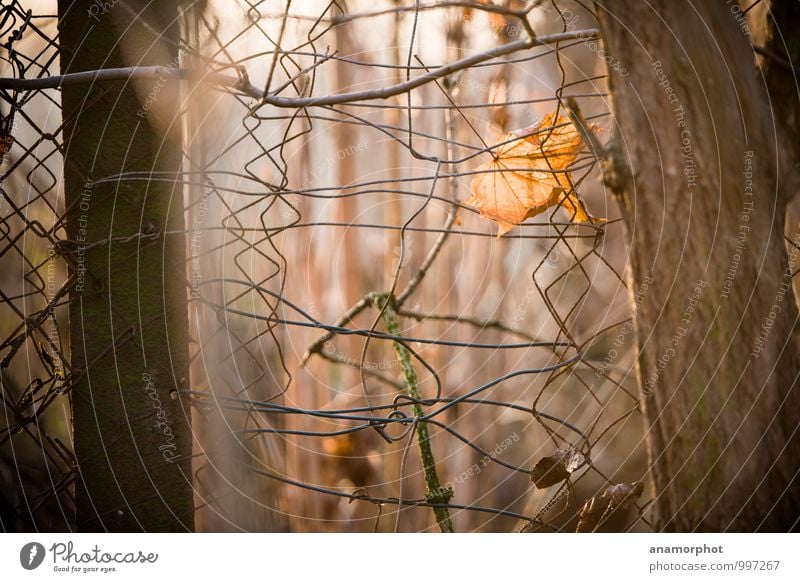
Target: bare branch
126, 73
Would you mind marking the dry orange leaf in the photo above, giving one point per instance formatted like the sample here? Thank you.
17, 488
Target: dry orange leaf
529, 175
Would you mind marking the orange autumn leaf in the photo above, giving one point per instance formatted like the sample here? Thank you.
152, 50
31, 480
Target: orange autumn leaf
529, 175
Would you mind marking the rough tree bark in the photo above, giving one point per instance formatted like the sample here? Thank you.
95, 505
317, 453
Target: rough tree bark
782, 54
128, 316
693, 162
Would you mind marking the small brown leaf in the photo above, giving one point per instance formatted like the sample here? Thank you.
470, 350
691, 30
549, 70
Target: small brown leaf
557, 467
528, 175
600, 507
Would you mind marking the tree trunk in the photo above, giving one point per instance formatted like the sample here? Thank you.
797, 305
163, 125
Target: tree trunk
128, 315
693, 162
782, 53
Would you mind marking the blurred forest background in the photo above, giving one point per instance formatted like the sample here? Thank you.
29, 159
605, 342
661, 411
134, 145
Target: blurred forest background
294, 217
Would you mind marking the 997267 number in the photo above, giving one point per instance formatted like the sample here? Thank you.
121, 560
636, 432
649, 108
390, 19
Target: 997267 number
757, 565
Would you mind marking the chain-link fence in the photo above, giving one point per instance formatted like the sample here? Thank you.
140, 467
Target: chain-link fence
365, 352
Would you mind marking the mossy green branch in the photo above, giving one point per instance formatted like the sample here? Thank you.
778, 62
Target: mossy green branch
434, 492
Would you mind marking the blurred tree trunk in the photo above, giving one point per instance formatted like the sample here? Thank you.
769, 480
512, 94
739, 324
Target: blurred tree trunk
780, 69
128, 315
695, 164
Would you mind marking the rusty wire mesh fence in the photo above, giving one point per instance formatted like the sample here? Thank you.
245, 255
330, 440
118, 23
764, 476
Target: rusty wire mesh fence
342, 297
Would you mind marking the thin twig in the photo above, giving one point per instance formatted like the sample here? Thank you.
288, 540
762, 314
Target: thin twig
126, 73
434, 493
